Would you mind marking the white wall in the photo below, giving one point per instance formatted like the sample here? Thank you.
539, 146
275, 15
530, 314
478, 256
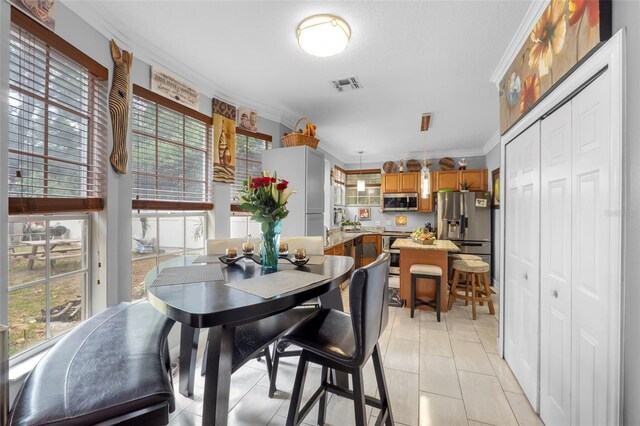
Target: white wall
627, 14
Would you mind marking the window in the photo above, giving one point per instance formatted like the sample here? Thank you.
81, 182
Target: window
48, 277
339, 188
57, 165
249, 147
170, 154
162, 236
371, 194
57, 123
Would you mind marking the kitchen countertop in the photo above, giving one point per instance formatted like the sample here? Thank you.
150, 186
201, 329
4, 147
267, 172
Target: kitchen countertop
439, 245
337, 238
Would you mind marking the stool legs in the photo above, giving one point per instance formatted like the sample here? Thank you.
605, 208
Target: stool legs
487, 291
438, 291
454, 286
474, 295
413, 294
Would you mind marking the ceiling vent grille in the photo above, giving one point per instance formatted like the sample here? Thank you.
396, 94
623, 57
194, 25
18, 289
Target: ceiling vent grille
346, 84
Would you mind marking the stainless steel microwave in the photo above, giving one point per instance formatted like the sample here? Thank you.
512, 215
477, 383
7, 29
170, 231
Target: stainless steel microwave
400, 202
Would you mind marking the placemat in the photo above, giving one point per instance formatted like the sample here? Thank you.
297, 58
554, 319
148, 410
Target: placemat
268, 286
188, 274
313, 260
209, 258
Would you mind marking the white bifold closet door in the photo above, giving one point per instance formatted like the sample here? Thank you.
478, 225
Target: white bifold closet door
522, 268
575, 261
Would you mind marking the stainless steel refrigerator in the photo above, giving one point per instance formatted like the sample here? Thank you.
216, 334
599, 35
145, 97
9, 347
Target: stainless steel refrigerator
465, 219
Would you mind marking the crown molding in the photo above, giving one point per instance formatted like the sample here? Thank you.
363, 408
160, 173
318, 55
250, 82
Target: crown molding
530, 18
455, 153
107, 24
493, 141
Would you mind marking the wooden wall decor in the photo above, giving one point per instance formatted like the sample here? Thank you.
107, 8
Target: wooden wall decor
119, 102
224, 139
565, 35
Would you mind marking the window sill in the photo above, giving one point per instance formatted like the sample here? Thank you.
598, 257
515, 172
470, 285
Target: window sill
20, 370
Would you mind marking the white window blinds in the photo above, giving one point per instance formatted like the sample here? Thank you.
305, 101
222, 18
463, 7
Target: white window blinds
249, 149
170, 155
57, 124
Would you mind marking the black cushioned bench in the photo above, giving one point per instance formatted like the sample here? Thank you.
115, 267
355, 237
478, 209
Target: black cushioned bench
114, 368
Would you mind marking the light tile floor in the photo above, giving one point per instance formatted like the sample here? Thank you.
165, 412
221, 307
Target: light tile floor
446, 373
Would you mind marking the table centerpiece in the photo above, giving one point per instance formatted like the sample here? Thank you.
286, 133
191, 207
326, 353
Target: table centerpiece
266, 198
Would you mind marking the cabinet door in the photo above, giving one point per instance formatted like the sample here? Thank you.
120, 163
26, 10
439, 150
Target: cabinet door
555, 267
447, 180
390, 183
425, 205
522, 261
476, 178
409, 182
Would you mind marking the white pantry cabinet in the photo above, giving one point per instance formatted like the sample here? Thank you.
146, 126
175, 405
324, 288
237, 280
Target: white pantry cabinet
559, 312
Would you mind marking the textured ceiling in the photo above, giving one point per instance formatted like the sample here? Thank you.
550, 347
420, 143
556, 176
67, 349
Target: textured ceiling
411, 57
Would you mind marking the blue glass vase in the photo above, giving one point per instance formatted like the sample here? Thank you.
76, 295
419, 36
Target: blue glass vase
270, 245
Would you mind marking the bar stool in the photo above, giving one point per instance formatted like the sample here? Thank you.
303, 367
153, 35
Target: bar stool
476, 271
431, 272
461, 256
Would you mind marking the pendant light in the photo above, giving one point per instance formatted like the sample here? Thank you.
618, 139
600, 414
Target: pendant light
425, 187
360, 185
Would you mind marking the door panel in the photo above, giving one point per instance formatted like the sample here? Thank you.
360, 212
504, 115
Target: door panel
522, 259
591, 266
555, 267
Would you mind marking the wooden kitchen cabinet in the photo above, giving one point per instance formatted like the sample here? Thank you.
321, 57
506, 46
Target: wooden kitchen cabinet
369, 242
400, 182
477, 179
451, 179
335, 251
425, 205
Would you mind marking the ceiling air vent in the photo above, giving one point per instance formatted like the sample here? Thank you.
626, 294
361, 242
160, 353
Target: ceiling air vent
346, 84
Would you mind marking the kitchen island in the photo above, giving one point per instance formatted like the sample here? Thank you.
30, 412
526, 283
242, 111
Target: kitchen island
413, 253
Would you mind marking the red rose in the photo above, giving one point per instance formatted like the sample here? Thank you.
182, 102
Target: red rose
281, 187
286, 182
273, 180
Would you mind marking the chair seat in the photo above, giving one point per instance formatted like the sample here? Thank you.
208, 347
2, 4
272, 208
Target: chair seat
425, 269
250, 339
472, 266
328, 333
459, 256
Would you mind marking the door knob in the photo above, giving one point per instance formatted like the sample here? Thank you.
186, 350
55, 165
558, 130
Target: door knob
554, 293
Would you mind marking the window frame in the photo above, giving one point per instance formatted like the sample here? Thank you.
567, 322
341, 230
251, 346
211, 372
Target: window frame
176, 205
87, 270
267, 139
96, 75
368, 186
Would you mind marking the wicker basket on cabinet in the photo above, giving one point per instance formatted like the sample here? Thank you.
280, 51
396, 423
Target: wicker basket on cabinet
299, 139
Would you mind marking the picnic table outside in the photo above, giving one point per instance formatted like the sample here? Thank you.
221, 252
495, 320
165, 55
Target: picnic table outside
36, 254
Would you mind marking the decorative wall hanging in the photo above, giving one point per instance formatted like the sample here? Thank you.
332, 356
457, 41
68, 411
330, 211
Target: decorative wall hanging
495, 177
43, 11
165, 84
119, 102
247, 119
364, 214
565, 34
224, 138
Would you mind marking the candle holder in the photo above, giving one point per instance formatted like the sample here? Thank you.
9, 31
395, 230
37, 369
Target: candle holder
248, 248
283, 250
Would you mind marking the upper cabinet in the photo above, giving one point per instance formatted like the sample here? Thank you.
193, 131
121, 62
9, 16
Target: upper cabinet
400, 182
451, 180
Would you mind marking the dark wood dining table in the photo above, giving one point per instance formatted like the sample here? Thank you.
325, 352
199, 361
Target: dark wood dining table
220, 308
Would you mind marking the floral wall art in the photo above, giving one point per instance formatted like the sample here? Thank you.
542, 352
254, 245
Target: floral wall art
565, 34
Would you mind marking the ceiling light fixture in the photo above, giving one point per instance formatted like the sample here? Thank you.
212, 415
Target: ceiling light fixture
425, 188
360, 185
323, 35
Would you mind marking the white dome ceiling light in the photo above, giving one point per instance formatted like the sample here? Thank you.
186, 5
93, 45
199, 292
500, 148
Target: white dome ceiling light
323, 35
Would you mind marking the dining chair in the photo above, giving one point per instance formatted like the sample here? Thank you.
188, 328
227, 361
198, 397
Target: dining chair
314, 246
345, 342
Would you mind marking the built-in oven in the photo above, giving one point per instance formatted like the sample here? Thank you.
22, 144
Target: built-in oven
400, 202
387, 243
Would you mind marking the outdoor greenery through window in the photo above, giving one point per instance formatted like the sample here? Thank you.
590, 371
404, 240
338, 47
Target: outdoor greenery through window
48, 277
248, 160
339, 186
160, 237
57, 128
170, 154
371, 194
